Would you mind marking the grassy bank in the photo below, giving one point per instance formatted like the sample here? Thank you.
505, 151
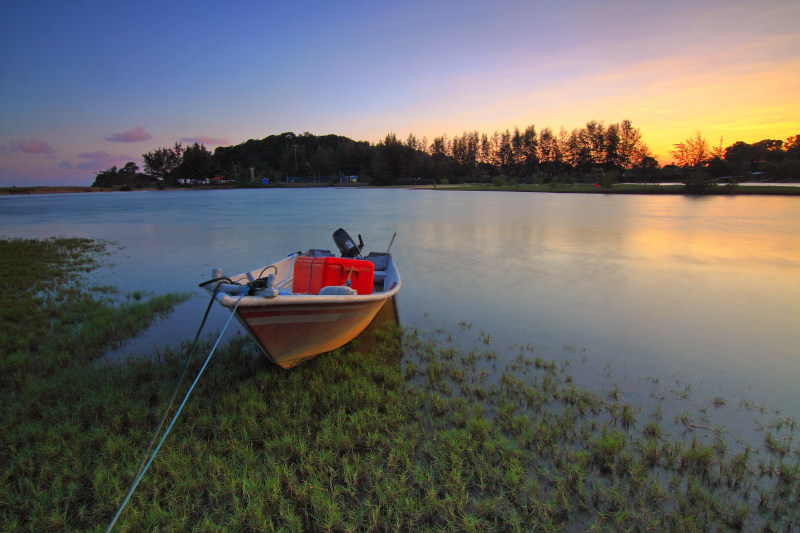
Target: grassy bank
438, 438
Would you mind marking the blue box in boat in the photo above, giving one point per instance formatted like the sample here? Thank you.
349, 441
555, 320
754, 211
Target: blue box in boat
313, 273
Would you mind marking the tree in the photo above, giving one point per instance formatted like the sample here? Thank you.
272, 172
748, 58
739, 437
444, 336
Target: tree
161, 162
632, 151
699, 182
693, 153
595, 133
792, 147
578, 147
768, 150
389, 160
549, 151
197, 164
125, 178
503, 151
646, 170
613, 158
741, 155
439, 149
530, 150
416, 150
467, 156
129, 168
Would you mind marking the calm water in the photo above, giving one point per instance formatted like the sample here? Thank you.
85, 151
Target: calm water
705, 290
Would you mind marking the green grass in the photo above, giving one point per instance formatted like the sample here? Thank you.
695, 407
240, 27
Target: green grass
406, 433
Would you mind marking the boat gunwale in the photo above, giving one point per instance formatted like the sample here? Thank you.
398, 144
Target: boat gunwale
282, 300
303, 299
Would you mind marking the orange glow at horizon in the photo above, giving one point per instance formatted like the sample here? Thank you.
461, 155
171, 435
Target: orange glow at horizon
669, 100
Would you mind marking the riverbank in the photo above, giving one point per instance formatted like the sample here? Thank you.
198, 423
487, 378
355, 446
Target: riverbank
409, 433
627, 188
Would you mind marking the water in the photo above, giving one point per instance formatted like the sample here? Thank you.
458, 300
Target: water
704, 290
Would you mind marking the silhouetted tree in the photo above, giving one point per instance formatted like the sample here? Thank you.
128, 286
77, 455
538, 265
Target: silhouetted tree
130, 168
596, 136
613, 157
161, 162
741, 157
529, 151
389, 160
693, 152
198, 164
792, 147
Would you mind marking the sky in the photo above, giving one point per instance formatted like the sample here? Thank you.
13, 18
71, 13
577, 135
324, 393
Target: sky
86, 85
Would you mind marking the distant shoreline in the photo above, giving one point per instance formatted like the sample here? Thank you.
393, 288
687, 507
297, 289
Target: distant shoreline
644, 189
10, 191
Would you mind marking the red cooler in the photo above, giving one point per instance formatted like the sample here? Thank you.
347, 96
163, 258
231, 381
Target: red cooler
313, 273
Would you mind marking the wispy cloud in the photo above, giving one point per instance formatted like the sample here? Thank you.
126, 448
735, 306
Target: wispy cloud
34, 146
135, 135
205, 140
99, 160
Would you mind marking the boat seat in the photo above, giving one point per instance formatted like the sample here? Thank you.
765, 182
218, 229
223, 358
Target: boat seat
378, 259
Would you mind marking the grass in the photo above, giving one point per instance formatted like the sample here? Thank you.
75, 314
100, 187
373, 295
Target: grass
407, 433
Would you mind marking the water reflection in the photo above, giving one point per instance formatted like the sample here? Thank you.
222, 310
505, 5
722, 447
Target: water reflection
386, 320
708, 287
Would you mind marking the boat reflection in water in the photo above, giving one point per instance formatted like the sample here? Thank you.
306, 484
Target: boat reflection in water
387, 321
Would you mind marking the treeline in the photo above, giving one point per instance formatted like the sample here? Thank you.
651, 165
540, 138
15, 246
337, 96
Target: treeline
594, 153
517, 155
163, 167
303, 157
770, 157
521, 155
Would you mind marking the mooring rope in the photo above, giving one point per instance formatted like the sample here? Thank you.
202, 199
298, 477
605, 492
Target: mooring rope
140, 474
186, 362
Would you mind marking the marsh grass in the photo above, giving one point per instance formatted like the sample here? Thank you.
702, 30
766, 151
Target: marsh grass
408, 432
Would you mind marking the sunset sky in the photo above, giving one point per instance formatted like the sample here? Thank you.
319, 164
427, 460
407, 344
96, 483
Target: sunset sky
85, 85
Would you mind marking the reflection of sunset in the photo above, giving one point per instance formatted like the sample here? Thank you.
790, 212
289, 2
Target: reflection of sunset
710, 247
759, 238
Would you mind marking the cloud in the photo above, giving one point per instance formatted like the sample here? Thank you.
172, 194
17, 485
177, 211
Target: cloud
131, 136
101, 160
206, 140
34, 146
65, 165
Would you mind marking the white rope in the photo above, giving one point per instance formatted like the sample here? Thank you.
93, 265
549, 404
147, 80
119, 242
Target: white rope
174, 418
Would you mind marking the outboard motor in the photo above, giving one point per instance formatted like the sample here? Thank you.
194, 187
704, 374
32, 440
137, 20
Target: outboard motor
346, 245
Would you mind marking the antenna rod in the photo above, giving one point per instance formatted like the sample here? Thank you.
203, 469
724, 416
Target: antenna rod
391, 242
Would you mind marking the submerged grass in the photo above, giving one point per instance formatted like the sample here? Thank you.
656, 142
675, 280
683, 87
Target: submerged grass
362, 438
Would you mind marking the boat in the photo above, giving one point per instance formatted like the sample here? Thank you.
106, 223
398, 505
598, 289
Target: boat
309, 302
